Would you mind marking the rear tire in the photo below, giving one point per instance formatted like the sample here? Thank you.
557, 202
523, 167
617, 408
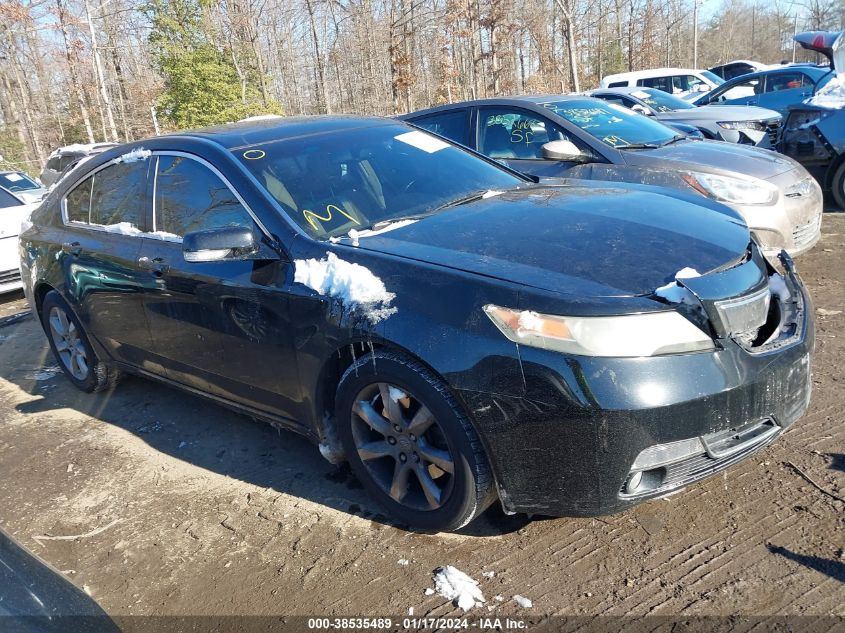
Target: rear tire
837, 186
71, 347
410, 444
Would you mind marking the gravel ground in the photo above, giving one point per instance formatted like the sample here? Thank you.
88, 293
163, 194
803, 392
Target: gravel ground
184, 508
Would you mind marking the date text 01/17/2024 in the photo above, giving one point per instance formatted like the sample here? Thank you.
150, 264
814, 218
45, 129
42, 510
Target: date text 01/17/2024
416, 624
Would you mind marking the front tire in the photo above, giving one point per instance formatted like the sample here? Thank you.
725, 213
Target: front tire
71, 347
837, 186
410, 444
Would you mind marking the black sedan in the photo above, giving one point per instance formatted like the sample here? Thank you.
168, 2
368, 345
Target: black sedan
457, 332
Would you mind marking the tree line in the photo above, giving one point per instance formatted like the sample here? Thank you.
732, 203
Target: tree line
118, 70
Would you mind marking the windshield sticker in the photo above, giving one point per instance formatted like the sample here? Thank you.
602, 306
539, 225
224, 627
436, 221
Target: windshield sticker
614, 140
423, 141
331, 209
13, 177
582, 115
254, 154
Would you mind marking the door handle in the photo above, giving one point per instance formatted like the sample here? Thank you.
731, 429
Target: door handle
72, 248
156, 265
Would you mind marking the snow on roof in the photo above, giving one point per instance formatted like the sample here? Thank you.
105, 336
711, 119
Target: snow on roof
85, 148
261, 117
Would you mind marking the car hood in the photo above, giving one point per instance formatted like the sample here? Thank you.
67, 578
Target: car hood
32, 195
715, 156
587, 241
717, 113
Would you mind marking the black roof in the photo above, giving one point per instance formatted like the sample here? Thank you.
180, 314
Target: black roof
255, 131
516, 100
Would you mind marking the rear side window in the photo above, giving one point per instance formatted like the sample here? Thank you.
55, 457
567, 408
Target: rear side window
617, 84
785, 81
117, 194
78, 201
452, 125
67, 159
53, 163
190, 197
661, 83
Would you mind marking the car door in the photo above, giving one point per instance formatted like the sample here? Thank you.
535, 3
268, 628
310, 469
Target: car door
103, 215
515, 137
220, 327
785, 88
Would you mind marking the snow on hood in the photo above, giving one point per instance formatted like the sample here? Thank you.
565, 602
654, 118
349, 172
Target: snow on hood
354, 285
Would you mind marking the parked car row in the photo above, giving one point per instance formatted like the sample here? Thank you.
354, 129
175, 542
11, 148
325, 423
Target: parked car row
587, 138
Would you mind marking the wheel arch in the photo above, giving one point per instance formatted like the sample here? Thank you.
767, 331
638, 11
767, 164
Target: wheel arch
336, 364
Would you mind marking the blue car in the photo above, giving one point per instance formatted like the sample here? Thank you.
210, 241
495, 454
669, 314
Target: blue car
773, 89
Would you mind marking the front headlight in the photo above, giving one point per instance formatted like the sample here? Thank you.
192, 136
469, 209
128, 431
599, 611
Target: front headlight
732, 190
647, 334
742, 125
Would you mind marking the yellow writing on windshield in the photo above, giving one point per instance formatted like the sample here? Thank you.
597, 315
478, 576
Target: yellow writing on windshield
331, 209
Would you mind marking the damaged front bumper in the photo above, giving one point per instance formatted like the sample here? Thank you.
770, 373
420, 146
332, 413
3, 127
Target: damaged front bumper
574, 443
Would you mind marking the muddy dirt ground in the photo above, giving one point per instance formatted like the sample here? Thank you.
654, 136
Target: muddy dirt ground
197, 510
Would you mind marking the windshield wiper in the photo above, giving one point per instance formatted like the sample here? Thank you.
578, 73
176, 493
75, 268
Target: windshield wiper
638, 146
472, 197
674, 139
476, 195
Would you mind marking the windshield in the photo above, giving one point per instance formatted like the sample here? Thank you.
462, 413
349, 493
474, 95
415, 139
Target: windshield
713, 77
16, 181
660, 101
613, 124
331, 183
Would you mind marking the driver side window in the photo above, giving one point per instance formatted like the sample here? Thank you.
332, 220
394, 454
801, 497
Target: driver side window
515, 134
190, 197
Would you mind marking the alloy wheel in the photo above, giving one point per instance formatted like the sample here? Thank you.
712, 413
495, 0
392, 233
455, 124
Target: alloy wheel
68, 344
402, 447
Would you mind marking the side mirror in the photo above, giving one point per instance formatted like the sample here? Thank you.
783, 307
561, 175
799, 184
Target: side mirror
641, 109
564, 150
214, 245
702, 88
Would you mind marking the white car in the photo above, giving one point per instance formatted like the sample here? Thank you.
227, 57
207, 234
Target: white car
681, 82
13, 213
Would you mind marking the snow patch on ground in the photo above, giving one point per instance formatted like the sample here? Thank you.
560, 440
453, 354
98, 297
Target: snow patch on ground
456, 586
352, 284
331, 455
832, 95
136, 155
523, 602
